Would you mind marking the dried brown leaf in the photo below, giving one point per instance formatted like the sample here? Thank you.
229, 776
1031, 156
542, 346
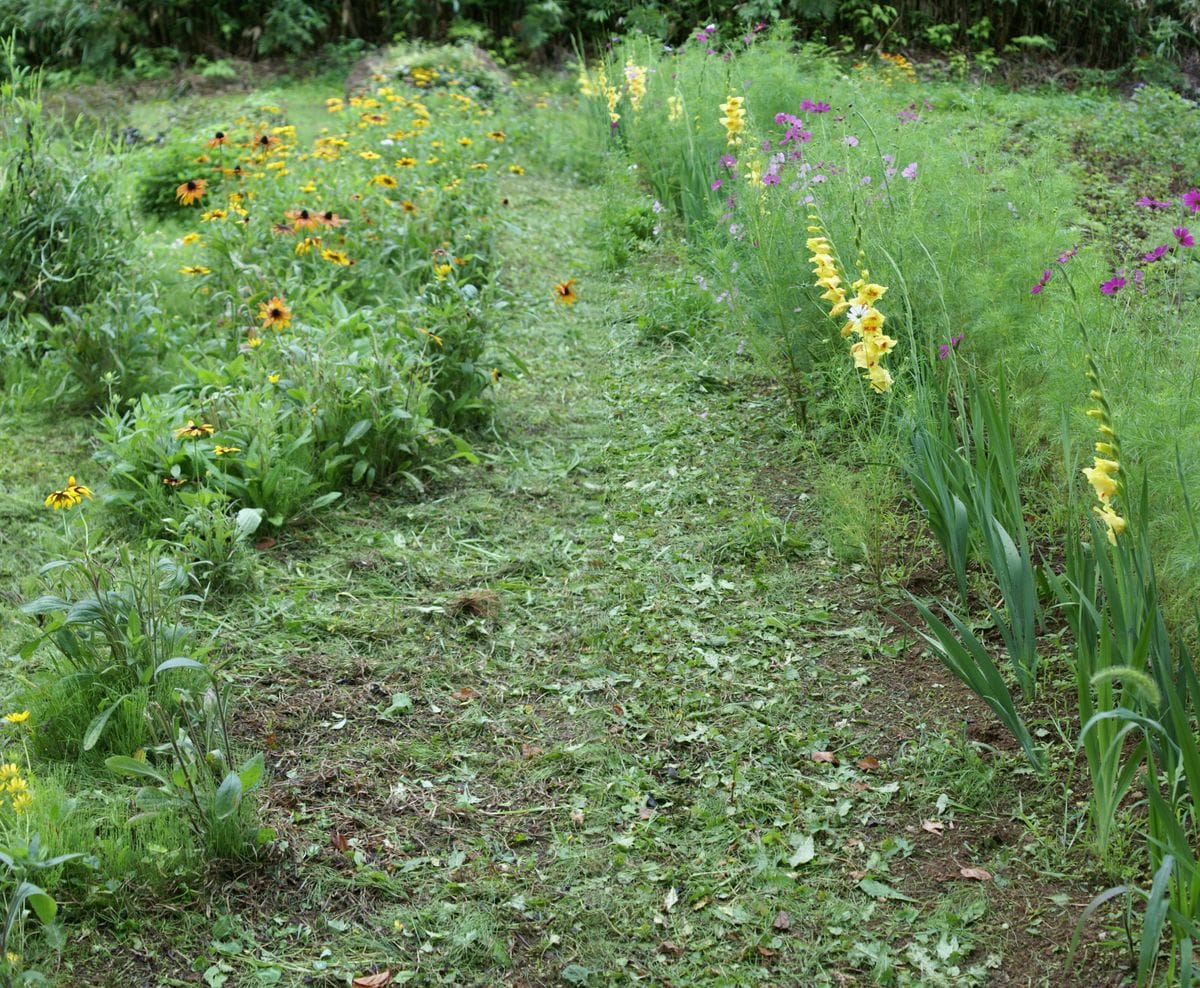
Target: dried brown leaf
828, 757
379, 980
976, 874
783, 921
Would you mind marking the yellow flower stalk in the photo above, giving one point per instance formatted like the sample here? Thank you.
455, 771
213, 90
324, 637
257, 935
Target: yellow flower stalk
635, 84
863, 320
674, 108
734, 119
1106, 464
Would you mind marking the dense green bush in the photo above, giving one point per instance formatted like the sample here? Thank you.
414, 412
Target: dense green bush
102, 37
66, 238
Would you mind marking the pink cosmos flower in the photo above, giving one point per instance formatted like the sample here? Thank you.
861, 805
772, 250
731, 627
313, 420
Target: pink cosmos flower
1191, 200
1112, 286
1183, 235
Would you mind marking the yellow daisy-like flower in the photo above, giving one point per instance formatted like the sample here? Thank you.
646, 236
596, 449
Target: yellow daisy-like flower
193, 431
406, 162
496, 135
226, 450
212, 215
274, 313
21, 802
191, 191
191, 238
516, 169
564, 292
385, 180
336, 257
17, 716
194, 269
369, 156
68, 496
9, 770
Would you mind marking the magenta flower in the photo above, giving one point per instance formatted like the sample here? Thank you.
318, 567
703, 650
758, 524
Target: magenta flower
1153, 203
1037, 289
728, 160
910, 172
945, 348
808, 106
716, 185
1157, 254
1066, 255
850, 141
1191, 200
1112, 286
1184, 237
770, 178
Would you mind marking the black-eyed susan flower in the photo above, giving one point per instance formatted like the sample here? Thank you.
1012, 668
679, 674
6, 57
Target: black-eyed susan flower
406, 162
190, 238
219, 139
213, 215
193, 431
336, 257
408, 206
330, 218
564, 292
274, 313
226, 450
516, 169
496, 135
307, 244
385, 180
196, 269
64, 498
78, 491
301, 218
191, 191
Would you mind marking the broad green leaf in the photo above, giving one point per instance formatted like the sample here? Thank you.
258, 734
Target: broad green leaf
228, 797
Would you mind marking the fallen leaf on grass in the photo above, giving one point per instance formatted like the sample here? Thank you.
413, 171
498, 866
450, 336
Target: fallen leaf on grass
825, 756
764, 951
976, 874
933, 826
868, 764
877, 890
670, 947
265, 543
464, 695
380, 980
783, 921
645, 813
670, 899
339, 842
577, 816
529, 751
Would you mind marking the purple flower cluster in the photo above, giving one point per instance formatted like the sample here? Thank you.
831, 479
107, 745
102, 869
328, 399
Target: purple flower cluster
795, 131
1042, 282
1190, 201
808, 106
945, 348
